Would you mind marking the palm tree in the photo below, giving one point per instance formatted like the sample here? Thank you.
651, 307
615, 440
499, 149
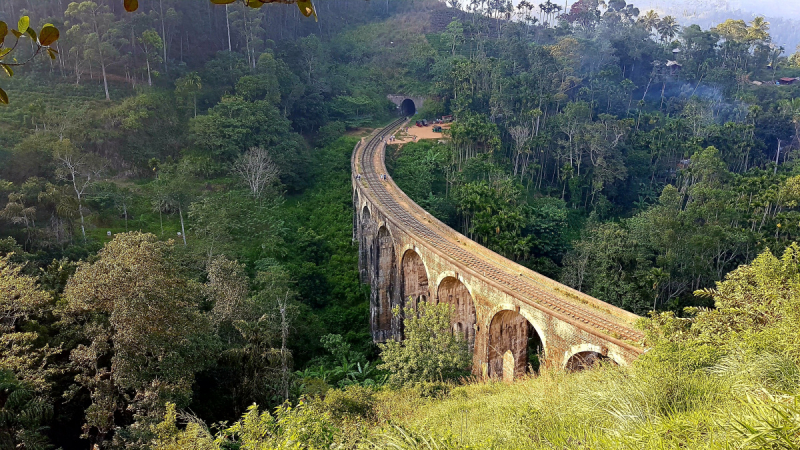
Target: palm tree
668, 28
524, 7
759, 30
649, 20
189, 84
549, 9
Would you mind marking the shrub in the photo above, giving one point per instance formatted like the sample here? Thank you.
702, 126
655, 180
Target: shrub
329, 133
352, 401
430, 352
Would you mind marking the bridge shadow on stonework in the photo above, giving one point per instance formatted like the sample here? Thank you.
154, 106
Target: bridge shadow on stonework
513, 318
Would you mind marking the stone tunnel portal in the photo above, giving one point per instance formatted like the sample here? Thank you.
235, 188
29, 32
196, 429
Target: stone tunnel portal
454, 293
408, 108
514, 346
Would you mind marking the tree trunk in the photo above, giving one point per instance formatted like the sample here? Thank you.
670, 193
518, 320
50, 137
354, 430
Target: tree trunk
83, 223
183, 229
149, 78
228, 23
163, 34
284, 351
77, 71
105, 79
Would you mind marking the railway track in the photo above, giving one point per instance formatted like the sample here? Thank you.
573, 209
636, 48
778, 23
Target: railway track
545, 294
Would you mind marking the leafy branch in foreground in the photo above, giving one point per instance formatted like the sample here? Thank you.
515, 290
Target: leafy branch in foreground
306, 7
47, 36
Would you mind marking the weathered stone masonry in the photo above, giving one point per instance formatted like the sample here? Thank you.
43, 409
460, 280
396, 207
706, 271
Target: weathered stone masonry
507, 312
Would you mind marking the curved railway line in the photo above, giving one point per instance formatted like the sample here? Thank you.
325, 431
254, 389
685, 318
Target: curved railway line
583, 311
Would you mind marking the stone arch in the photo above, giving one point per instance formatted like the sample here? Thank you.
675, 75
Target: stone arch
453, 292
586, 356
365, 215
415, 279
538, 325
408, 108
383, 286
511, 332
450, 274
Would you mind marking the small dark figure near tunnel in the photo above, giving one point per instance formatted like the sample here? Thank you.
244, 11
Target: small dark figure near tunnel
408, 108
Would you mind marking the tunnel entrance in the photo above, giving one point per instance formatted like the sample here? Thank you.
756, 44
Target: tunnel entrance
408, 108
515, 348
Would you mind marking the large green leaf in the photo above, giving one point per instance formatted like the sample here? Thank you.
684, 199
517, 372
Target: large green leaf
3, 31
3, 97
222, 2
8, 70
48, 35
306, 8
24, 23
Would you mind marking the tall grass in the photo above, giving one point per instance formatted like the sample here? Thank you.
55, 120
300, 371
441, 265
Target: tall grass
744, 401
647, 406
728, 378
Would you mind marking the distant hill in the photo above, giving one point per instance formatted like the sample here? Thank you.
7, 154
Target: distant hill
783, 16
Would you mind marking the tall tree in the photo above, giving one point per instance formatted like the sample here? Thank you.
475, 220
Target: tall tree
189, 85
150, 43
175, 191
81, 170
102, 34
26, 366
144, 335
668, 28
256, 169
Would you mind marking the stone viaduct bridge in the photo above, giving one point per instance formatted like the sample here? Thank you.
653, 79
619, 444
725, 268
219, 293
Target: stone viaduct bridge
510, 315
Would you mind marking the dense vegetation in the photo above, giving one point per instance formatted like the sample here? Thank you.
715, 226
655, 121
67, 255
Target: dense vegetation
175, 206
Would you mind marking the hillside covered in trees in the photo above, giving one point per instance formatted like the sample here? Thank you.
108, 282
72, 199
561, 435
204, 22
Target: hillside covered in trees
176, 259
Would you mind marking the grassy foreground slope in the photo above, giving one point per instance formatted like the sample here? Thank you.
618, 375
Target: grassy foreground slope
609, 408
724, 378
